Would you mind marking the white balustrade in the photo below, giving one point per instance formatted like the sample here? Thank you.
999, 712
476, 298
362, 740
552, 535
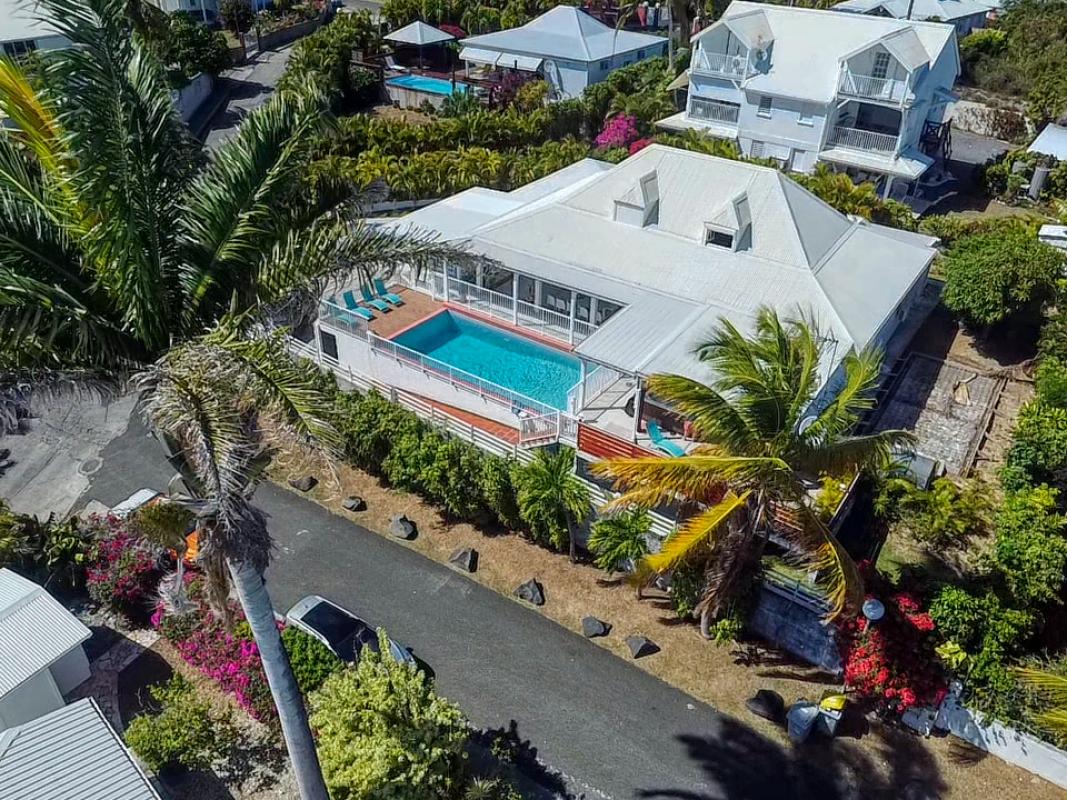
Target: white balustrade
891, 89
856, 139
713, 111
336, 316
726, 65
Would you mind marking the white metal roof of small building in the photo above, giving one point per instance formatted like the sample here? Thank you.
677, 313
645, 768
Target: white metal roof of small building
419, 33
69, 754
944, 10
35, 630
22, 20
1052, 141
808, 45
566, 33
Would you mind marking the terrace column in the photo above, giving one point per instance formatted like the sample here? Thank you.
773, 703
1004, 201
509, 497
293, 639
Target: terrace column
582, 375
573, 306
515, 300
888, 186
639, 399
444, 283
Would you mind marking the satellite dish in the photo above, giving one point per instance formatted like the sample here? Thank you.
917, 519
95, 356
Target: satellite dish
873, 609
806, 423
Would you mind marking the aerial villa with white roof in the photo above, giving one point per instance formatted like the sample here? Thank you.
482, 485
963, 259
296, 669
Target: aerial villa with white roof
601, 275
869, 95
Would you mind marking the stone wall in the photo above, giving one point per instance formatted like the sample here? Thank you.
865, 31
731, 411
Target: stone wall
986, 120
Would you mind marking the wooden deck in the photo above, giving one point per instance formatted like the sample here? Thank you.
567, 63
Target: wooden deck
417, 307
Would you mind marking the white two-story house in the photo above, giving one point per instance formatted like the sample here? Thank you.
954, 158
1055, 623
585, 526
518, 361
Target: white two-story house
867, 95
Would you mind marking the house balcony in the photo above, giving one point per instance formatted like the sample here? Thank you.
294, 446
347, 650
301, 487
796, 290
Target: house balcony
722, 65
869, 87
865, 141
713, 111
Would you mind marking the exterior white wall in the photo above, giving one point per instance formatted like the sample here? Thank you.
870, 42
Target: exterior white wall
42, 42
30, 699
71, 670
195, 7
784, 136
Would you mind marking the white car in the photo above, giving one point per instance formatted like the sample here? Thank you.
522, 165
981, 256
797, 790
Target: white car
340, 630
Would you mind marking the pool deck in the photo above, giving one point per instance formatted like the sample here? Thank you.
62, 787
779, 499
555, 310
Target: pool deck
417, 307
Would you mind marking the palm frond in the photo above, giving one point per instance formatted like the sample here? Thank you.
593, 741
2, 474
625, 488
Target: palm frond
847, 455
713, 417
698, 532
818, 550
855, 397
1052, 686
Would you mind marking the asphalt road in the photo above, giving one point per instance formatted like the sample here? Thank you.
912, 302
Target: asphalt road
610, 729
248, 86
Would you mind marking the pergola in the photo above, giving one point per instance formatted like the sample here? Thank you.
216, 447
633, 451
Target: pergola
419, 34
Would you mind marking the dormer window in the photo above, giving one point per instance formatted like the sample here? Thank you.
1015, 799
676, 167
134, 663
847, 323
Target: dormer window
718, 238
639, 206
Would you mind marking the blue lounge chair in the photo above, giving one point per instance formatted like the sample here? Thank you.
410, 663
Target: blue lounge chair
372, 301
662, 442
353, 305
385, 294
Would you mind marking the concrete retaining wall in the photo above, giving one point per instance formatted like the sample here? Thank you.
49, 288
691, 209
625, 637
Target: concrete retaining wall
268, 41
189, 98
986, 120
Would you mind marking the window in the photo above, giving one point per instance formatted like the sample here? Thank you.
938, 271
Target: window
881, 65
804, 117
19, 49
556, 298
756, 150
583, 307
718, 238
765, 105
605, 65
329, 344
640, 54
527, 289
605, 309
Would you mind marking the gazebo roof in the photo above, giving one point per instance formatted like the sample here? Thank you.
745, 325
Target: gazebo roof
419, 33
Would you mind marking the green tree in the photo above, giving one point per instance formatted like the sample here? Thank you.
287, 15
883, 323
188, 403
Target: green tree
551, 499
384, 734
756, 456
620, 538
991, 277
194, 47
1030, 548
117, 238
237, 15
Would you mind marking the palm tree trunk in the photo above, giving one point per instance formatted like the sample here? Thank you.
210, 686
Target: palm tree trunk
705, 623
570, 536
252, 591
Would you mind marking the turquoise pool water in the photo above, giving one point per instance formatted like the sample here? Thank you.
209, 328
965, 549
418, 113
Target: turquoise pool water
514, 362
422, 83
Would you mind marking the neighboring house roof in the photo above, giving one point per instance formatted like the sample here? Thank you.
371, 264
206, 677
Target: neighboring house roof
808, 45
1052, 141
70, 754
419, 33
944, 10
566, 33
799, 256
21, 21
35, 630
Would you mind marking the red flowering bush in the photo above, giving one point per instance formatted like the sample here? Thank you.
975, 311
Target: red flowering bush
123, 571
620, 131
892, 660
640, 145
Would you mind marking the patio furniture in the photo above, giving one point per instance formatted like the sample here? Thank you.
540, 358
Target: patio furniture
385, 294
353, 305
661, 442
390, 63
372, 301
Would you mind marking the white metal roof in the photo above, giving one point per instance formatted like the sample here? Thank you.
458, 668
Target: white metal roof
69, 754
35, 630
944, 10
808, 45
418, 32
567, 33
22, 21
1052, 141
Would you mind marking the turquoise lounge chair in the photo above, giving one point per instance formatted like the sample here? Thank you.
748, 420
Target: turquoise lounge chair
662, 442
385, 294
372, 301
353, 305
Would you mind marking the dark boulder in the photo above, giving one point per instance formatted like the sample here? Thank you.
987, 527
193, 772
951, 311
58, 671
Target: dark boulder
465, 558
402, 528
531, 592
593, 627
767, 704
305, 484
354, 503
641, 646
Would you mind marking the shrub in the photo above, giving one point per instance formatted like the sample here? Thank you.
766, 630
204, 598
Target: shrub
311, 660
620, 539
1039, 449
992, 277
325, 57
531, 96
384, 733
945, 514
236, 15
44, 550
1030, 550
186, 732
832, 493
194, 47
123, 568
1051, 382
687, 586
619, 131
497, 487
550, 497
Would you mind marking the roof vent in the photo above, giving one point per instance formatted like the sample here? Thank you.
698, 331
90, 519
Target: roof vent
640, 205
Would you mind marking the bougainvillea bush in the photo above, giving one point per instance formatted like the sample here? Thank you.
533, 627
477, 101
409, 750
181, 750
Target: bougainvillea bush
123, 570
620, 131
892, 660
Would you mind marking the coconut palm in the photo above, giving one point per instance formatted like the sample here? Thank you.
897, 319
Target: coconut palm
550, 497
118, 237
761, 438
1054, 688
620, 540
224, 399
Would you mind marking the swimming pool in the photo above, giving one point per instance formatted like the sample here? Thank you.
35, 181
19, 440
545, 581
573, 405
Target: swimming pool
422, 83
514, 362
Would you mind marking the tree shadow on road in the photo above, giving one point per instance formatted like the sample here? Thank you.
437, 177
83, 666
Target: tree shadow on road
739, 763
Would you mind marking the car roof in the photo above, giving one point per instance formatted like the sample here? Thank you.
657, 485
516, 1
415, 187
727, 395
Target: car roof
333, 622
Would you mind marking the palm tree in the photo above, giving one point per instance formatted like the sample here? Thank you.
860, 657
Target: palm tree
224, 399
166, 524
620, 541
551, 499
1054, 688
761, 438
118, 237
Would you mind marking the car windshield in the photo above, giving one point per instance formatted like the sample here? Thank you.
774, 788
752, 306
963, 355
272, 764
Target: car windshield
335, 625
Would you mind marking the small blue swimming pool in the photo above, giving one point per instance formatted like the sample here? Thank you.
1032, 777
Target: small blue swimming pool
422, 83
537, 371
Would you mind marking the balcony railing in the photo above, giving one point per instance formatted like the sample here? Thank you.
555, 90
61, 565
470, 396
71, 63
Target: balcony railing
868, 141
337, 317
727, 66
713, 111
871, 88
